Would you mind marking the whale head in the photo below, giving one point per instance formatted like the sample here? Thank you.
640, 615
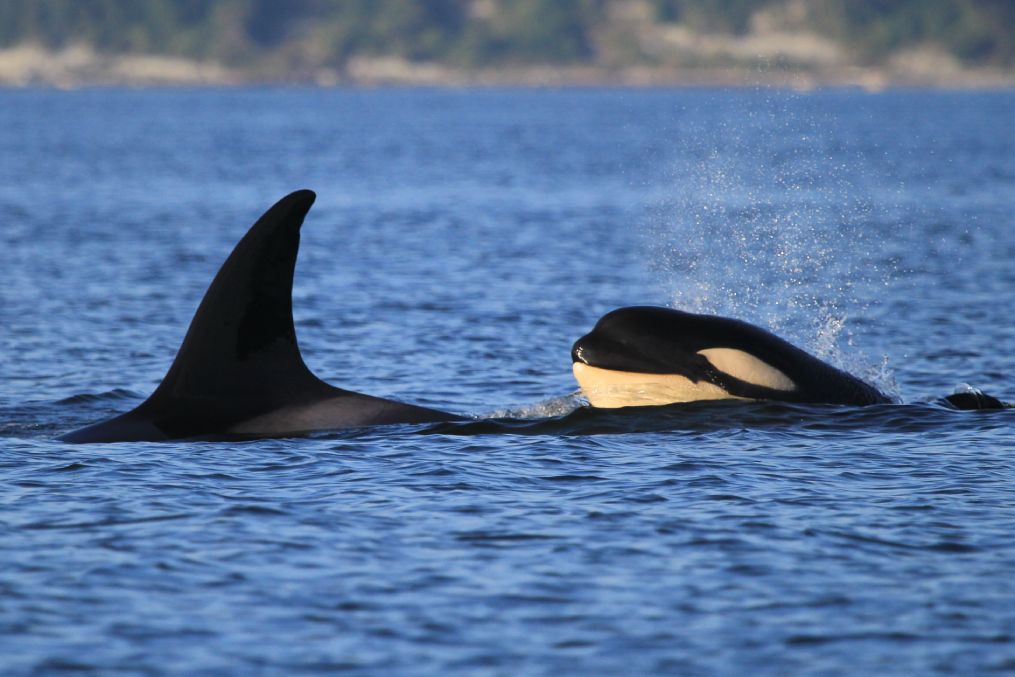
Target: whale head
643, 356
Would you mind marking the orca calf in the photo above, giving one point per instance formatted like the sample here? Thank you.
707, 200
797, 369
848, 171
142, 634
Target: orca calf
643, 356
239, 373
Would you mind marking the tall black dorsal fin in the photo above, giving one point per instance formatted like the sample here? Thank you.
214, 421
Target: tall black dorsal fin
241, 346
239, 370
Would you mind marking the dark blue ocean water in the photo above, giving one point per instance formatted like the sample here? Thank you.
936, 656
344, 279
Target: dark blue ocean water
461, 241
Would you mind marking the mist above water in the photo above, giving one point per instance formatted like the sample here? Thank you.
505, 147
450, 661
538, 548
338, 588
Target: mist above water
768, 219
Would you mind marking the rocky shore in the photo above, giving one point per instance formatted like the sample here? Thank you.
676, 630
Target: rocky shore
788, 62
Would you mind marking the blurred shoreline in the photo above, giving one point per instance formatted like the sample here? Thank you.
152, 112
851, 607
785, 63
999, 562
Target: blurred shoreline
81, 66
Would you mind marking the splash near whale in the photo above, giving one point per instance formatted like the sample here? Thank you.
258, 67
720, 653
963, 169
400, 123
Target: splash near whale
239, 372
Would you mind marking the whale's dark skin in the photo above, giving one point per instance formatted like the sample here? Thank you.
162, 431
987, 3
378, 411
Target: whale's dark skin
239, 372
974, 400
662, 341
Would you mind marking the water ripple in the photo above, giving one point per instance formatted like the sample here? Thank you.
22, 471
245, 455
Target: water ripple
461, 241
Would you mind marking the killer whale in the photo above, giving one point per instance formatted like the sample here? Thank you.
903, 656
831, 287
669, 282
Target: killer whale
239, 372
646, 355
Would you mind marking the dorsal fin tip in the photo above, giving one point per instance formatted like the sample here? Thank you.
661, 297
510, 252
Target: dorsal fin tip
290, 210
303, 197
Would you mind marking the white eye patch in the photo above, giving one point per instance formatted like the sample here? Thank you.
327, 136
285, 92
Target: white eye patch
748, 368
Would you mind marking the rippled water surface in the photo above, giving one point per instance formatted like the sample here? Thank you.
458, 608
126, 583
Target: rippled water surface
461, 241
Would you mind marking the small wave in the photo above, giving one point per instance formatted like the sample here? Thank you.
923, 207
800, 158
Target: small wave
556, 406
937, 546
252, 509
493, 537
103, 523
890, 636
115, 394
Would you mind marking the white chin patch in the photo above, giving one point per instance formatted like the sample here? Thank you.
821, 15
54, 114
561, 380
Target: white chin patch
608, 389
747, 368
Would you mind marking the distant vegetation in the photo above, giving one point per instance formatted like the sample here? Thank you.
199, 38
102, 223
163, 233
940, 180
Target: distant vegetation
977, 28
294, 34
473, 33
